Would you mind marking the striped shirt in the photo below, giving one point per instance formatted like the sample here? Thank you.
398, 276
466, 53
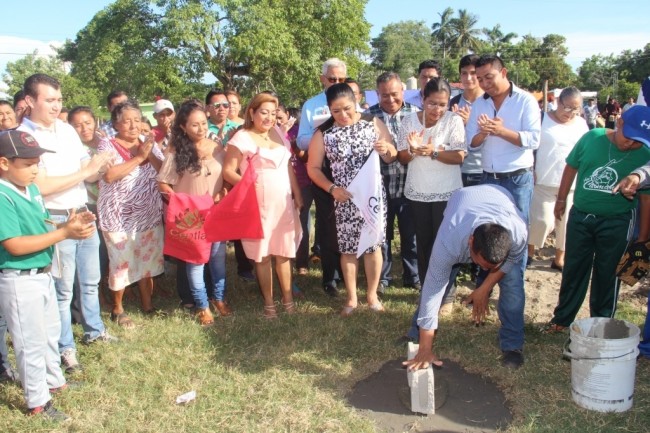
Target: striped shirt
394, 173
467, 209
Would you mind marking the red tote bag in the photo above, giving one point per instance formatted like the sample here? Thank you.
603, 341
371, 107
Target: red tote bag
185, 236
237, 216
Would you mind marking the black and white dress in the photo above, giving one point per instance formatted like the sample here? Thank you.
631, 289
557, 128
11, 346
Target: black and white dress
347, 148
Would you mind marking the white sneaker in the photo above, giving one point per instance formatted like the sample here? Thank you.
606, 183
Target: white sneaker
69, 361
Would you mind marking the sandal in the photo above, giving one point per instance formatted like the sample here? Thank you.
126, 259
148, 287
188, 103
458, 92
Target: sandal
205, 317
552, 328
377, 308
347, 311
289, 307
270, 313
122, 320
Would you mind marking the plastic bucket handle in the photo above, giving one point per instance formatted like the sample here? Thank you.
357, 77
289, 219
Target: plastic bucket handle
567, 352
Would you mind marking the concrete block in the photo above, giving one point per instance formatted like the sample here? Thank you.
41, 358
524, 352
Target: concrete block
422, 386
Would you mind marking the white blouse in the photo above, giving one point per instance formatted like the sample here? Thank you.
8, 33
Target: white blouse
429, 180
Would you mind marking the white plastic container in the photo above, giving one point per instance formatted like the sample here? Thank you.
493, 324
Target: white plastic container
603, 363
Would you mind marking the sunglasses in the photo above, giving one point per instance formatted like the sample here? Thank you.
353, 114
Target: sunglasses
335, 80
222, 104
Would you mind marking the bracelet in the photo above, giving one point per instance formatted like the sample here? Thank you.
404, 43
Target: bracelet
331, 188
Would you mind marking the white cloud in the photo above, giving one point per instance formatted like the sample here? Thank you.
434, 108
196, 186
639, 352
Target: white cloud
585, 44
13, 48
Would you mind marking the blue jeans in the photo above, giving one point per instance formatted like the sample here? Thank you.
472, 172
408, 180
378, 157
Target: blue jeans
644, 346
510, 309
521, 188
78, 259
217, 265
302, 255
400, 208
4, 350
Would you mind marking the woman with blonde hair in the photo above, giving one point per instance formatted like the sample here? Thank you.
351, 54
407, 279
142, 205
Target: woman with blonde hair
261, 146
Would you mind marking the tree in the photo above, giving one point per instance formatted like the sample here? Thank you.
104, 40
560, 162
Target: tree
549, 62
465, 37
400, 47
442, 31
497, 41
597, 72
18, 71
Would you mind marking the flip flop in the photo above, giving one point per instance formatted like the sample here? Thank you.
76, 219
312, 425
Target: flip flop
347, 311
122, 320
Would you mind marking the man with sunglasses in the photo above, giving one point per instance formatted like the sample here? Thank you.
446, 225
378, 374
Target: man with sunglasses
217, 106
483, 225
314, 112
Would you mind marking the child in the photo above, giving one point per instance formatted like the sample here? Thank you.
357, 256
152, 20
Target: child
600, 223
27, 296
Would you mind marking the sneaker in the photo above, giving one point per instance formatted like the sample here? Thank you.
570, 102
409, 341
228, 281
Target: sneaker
69, 361
9, 375
49, 412
104, 337
247, 276
512, 359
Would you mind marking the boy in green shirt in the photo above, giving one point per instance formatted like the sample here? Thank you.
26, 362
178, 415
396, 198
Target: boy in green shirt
600, 223
27, 296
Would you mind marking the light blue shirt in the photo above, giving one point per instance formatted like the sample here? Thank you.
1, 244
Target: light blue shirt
520, 113
467, 209
312, 107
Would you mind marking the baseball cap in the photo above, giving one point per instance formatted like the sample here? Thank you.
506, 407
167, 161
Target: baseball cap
636, 124
162, 104
19, 144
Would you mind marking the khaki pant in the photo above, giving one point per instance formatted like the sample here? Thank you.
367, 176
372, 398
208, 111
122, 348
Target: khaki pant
542, 220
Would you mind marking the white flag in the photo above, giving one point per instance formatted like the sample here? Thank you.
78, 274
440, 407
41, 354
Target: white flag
366, 190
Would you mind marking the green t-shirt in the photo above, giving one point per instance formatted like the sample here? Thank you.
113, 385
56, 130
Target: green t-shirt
227, 130
22, 215
601, 166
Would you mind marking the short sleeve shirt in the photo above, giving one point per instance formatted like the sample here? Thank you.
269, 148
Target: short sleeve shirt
601, 166
23, 214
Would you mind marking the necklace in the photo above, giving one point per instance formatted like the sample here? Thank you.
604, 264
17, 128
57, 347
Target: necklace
609, 153
265, 137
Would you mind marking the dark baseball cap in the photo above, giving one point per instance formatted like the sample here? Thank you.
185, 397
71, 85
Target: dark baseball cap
19, 144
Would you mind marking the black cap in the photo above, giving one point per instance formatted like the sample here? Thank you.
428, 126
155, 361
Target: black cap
19, 144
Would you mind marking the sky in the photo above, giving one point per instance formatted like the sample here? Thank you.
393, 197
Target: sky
590, 27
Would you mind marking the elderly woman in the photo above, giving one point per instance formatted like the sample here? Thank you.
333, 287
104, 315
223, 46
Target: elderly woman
348, 139
432, 143
7, 116
130, 210
561, 130
194, 166
263, 147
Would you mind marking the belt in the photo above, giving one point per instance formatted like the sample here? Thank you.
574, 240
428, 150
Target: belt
508, 174
61, 212
43, 270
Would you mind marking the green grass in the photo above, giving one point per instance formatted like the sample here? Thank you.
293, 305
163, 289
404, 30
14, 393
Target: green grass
293, 374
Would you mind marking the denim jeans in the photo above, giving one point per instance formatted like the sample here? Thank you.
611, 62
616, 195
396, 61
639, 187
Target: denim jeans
217, 266
302, 255
644, 346
78, 259
400, 208
4, 350
521, 188
510, 307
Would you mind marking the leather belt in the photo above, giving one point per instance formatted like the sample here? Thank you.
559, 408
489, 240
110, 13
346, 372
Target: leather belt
508, 174
35, 271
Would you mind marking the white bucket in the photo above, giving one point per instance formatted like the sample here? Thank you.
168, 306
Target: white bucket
603, 363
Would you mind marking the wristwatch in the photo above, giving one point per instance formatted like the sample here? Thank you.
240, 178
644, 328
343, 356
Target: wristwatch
434, 155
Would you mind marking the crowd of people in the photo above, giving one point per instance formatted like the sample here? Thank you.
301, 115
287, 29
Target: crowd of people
482, 177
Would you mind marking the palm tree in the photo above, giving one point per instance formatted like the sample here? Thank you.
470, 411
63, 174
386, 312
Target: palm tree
465, 35
442, 31
497, 40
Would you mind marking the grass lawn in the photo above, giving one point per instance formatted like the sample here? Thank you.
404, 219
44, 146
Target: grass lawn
292, 374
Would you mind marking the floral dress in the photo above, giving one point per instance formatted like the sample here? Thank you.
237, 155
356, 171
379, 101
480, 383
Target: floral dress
348, 148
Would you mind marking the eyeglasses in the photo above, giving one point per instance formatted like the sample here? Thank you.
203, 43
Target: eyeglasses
431, 106
335, 80
570, 109
222, 104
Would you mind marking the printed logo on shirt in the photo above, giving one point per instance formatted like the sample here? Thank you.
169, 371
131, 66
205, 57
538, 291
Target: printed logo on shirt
603, 179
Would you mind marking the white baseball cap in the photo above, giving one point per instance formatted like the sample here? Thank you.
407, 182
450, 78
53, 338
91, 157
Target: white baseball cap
162, 104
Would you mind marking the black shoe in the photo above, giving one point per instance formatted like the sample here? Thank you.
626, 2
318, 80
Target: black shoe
331, 291
9, 375
49, 412
247, 276
512, 359
529, 261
